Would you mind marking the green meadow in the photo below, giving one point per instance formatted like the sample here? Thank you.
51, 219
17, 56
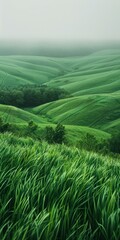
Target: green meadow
97, 111
93, 82
67, 191
57, 192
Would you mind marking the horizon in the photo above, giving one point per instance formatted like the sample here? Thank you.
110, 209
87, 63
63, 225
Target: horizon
54, 48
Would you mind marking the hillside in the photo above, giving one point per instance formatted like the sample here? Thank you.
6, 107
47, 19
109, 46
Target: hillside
56, 192
97, 111
18, 116
96, 73
93, 81
21, 118
65, 191
18, 70
93, 74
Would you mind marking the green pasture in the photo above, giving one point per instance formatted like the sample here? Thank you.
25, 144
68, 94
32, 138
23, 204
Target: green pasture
56, 192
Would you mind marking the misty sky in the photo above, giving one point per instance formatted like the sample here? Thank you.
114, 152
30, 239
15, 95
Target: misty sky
60, 20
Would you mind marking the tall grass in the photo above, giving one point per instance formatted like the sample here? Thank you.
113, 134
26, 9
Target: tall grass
52, 192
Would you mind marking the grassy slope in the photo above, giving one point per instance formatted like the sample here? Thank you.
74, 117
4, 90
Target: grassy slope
15, 115
17, 70
97, 74
56, 192
21, 118
98, 111
76, 133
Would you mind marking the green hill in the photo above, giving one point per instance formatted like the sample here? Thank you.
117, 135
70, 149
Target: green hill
18, 116
75, 134
17, 70
93, 81
21, 118
93, 74
97, 111
56, 192
96, 73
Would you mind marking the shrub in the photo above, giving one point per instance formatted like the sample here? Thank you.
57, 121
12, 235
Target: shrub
32, 126
55, 136
49, 134
114, 143
4, 127
91, 143
59, 135
88, 143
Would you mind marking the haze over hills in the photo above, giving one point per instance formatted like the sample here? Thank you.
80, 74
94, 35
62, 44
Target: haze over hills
93, 82
53, 48
95, 73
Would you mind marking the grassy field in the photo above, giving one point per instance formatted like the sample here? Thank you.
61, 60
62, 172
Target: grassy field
18, 70
93, 81
20, 118
96, 73
97, 111
56, 192
60, 192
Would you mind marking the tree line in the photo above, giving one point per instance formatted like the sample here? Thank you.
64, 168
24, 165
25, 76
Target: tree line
31, 95
58, 135
51, 135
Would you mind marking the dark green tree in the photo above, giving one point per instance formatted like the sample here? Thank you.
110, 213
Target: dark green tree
55, 136
49, 134
114, 143
1, 122
88, 142
4, 126
59, 135
32, 126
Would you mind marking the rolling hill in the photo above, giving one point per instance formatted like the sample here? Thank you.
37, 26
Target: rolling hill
93, 74
93, 81
55, 191
18, 70
21, 118
96, 73
97, 111
18, 116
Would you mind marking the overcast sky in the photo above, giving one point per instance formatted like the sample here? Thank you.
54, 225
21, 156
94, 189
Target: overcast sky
60, 20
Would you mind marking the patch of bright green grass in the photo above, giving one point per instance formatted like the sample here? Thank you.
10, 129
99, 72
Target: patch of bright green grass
56, 192
18, 116
97, 111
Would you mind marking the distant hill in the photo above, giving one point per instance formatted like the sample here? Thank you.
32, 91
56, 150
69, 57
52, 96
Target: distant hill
92, 80
53, 49
96, 73
92, 74
18, 70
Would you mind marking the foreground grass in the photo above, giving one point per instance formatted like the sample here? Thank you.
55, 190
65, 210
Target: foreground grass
57, 193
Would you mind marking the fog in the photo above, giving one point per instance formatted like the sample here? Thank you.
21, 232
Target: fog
60, 20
